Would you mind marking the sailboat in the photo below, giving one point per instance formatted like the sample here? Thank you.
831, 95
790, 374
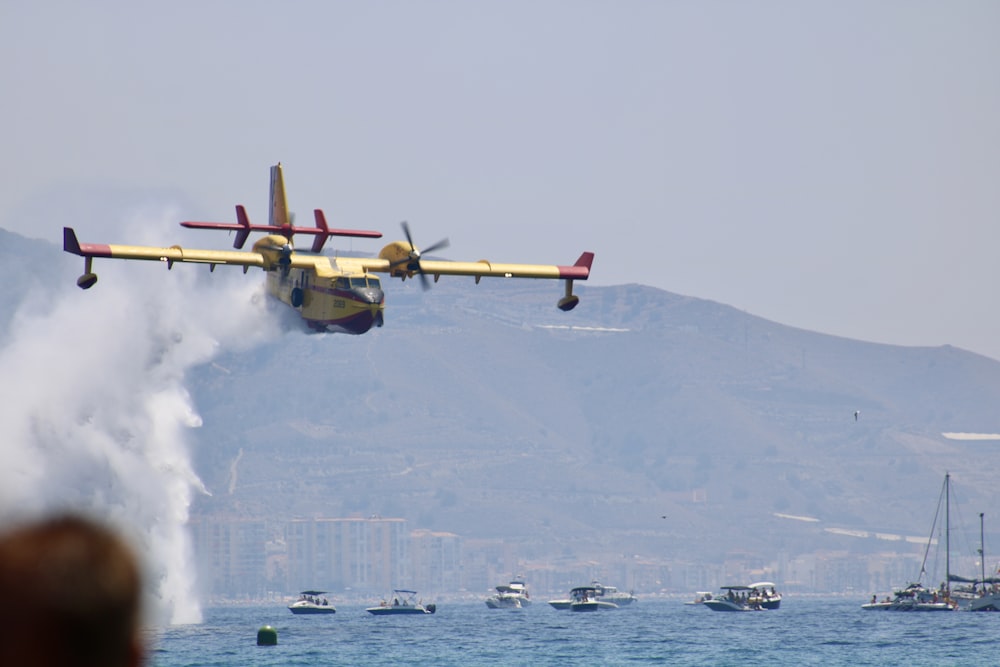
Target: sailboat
971, 598
917, 597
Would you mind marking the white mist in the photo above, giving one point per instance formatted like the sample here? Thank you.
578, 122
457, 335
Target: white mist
95, 414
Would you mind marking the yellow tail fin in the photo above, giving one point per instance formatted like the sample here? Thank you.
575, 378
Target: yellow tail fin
279, 207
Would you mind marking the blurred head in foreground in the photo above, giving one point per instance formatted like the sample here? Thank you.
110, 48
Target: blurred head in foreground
69, 596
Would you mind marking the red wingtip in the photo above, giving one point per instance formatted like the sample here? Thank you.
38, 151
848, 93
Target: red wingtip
580, 270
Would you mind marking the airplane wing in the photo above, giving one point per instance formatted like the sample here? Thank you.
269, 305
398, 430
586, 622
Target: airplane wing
265, 255
170, 255
397, 259
483, 268
403, 261
578, 271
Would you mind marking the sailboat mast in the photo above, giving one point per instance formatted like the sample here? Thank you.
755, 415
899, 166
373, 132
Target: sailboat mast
947, 535
982, 553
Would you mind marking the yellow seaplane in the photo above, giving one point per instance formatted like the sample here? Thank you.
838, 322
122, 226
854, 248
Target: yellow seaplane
334, 294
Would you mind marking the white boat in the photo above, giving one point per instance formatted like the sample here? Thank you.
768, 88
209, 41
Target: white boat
758, 596
987, 601
310, 602
612, 594
700, 597
599, 592
585, 598
510, 596
914, 597
917, 597
982, 594
403, 602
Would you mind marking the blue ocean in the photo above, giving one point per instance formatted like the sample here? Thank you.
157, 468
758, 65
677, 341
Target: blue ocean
650, 632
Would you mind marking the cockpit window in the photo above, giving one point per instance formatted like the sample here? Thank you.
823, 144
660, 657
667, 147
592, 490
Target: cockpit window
355, 282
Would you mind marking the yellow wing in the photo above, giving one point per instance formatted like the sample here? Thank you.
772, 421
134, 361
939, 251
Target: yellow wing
400, 260
269, 252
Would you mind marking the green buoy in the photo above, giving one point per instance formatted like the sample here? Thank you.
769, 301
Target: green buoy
267, 636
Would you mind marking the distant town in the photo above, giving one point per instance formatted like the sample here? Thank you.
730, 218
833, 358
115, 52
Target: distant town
366, 557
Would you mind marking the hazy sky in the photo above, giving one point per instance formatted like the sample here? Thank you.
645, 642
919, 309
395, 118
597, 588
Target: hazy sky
829, 165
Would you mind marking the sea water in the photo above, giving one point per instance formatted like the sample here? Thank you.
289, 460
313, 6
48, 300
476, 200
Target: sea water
649, 632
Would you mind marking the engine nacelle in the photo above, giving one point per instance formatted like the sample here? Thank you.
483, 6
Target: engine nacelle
399, 254
275, 249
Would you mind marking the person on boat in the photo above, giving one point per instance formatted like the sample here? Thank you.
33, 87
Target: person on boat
874, 599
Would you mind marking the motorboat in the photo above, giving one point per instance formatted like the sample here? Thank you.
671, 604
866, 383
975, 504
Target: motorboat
612, 594
510, 596
403, 602
767, 595
914, 597
585, 598
310, 602
700, 597
599, 592
758, 596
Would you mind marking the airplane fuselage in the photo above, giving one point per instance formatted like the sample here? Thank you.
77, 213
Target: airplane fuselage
339, 303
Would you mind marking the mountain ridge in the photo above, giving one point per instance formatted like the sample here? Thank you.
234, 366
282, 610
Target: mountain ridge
483, 411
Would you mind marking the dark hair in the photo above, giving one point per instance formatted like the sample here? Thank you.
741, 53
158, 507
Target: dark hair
71, 595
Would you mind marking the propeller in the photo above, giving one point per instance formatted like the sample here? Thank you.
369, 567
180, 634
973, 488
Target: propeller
413, 261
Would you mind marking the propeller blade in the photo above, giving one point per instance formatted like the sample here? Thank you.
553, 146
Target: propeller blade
413, 261
440, 245
406, 230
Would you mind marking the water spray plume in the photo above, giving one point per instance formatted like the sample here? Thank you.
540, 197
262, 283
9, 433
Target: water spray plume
97, 418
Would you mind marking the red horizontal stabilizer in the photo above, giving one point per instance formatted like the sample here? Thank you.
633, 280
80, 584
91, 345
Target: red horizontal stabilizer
230, 226
243, 228
323, 232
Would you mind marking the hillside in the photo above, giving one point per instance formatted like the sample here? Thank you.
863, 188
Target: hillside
477, 412
644, 422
